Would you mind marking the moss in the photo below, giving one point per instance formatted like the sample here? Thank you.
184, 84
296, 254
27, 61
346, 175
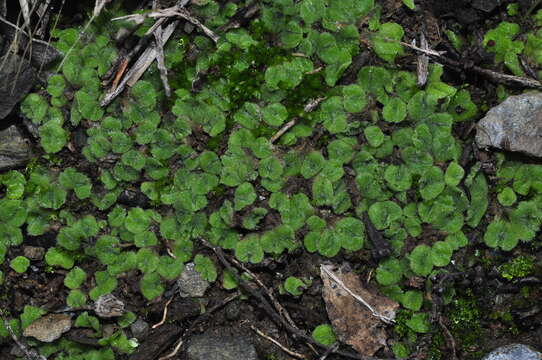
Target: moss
518, 267
437, 344
465, 315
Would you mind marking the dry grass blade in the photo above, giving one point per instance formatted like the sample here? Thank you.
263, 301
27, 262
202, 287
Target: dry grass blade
282, 347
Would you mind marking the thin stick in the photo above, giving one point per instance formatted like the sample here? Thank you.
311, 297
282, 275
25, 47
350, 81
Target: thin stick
310, 106
269, 292
449, 337
174, 351
282, 130
282, 347
339, 282
164, 314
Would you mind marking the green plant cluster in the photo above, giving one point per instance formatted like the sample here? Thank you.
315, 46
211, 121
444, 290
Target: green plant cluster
205, 163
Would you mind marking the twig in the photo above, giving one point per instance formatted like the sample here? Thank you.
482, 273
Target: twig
422, 62
492, 75
281, 310
282, 347
339, 282
173, 11
310, 106
29, 353
164, 314
282, 130
160, 60
449, 338
139, 68
326, 354
197, 321
174, 351
262, 301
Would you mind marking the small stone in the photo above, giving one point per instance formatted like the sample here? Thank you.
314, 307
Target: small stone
190, 283
513, 352
49, 328
233, 310
485, 5
14, 150
215, 347
108, 306
34, 252
140, 329
514, 125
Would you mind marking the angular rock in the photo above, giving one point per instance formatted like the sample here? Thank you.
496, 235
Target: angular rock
485, 5
190, 283
107, 306
215, 347
34, 252
140, 329
513, 352
16, 79
514, 125
14, 150
49, 328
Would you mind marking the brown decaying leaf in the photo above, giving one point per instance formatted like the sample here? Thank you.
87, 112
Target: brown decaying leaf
354, 323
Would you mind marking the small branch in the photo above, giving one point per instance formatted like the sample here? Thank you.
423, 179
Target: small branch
338, 281
164, 314
310, 106
449, 338
282, 130
282, 347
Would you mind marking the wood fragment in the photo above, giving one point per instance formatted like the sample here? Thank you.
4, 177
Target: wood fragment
282, 347
283, 130
160, 60
422, 65
139, 68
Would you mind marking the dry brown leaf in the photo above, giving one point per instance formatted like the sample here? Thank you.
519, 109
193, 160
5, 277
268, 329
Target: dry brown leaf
354, 323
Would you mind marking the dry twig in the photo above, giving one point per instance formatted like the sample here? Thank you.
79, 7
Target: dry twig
310, 106
164, 314
282, 347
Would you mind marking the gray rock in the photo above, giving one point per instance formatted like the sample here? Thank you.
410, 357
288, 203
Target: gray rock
14, 150
16, 79
214, 347
485, 5
514, 125
140, 329
513, 352
190, 283
49, 328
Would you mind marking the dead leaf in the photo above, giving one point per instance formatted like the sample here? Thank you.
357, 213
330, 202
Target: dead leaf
354, 323
49, 328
